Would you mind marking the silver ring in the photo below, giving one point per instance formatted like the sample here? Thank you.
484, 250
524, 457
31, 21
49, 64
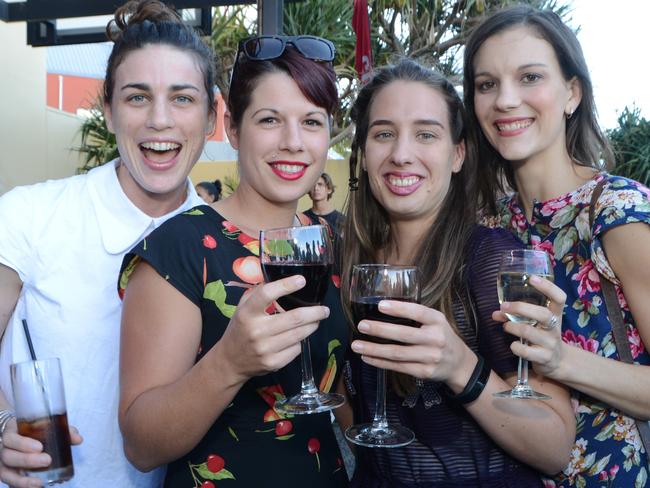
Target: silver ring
552, 323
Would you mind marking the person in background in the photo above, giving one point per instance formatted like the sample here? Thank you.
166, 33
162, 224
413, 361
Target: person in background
321, 207
208, 191
195, 296
532, 116
416, 204
63, 241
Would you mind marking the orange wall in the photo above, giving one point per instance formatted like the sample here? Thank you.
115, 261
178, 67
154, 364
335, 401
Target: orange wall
78, 92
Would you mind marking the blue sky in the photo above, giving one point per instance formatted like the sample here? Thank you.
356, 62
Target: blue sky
615, 37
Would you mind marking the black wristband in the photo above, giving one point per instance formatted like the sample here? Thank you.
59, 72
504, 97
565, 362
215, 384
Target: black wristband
475, 385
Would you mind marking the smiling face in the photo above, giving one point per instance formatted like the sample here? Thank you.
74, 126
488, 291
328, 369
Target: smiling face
159, 115
409, 152
521, 97
282, 141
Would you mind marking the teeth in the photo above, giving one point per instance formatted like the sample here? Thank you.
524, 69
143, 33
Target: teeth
289, 168
408, 181
160, 146
520, 124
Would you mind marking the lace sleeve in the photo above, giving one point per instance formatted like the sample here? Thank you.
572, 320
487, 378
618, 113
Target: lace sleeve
493, 342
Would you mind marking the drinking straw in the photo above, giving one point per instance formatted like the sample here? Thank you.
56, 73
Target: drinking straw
29, 341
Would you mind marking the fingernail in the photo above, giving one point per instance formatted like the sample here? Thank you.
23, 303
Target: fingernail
357, 346
363, 327
505, 306
327, 311
384, 305
44, 460
35, 445
299, 280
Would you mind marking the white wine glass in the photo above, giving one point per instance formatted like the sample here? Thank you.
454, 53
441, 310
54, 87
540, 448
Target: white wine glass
513, 285
306, 251
370, 284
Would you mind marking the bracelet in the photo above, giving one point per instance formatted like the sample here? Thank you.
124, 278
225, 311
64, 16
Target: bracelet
5, 417
475, 385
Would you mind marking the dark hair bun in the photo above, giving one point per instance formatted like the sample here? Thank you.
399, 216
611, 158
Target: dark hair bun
139, 12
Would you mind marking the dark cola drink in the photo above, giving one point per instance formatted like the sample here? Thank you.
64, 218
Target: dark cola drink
54, 434
39, 400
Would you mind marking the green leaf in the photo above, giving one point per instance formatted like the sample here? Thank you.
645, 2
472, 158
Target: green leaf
583, 319
216, 291
599, 466
205, 473
277, 247
284, 437
641, 478
606, 432
232, 433
194, 211
333, 344
589, 460
564, 241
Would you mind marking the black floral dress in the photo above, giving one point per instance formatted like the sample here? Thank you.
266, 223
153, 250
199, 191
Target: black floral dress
210, 261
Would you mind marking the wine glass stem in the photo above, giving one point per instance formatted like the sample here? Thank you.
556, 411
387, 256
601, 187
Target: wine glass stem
379, 421
308, 385
522, 368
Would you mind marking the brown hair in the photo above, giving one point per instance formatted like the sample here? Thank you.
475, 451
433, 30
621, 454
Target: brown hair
139, 23
329, 183
367, 229
316, 80
585, 142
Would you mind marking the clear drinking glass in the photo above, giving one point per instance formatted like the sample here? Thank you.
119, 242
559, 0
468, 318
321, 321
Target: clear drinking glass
41, 414
371, 283
305, 251
515, 269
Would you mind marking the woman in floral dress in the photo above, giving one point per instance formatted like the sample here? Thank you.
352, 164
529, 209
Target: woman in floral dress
203, 357
532, 118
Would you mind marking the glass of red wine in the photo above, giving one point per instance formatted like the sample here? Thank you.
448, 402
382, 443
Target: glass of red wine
370, 284
305, 251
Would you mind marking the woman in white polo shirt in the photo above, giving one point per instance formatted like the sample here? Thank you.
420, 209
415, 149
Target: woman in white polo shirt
63, 241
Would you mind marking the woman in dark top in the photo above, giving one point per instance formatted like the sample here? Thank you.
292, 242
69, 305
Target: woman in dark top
415, 203
203, 357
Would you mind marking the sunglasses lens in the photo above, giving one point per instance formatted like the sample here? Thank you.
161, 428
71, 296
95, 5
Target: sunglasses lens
262, 48
314, 48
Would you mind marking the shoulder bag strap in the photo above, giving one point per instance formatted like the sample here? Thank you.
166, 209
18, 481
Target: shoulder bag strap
616, 317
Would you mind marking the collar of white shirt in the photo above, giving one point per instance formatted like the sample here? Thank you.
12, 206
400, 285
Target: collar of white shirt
122, 224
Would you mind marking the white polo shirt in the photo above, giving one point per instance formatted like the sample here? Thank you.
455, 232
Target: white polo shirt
66, 240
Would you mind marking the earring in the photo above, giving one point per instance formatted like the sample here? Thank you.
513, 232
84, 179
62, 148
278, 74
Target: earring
569, 115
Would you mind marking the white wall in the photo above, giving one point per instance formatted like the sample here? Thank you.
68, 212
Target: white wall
34, 141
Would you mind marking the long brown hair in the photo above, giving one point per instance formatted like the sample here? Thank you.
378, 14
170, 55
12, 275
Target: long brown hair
367, 231
585, 141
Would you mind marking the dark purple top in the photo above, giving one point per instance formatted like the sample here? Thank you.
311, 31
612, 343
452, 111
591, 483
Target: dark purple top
450, 448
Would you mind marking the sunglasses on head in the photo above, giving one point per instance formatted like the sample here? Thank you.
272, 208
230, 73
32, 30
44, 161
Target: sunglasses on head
263, 48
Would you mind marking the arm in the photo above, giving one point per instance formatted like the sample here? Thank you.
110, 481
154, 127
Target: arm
539, 433
624, 386
159, 414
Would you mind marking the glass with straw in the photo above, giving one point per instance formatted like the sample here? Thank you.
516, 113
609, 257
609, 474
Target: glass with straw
39, 401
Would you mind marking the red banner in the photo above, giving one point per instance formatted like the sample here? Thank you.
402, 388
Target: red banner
361, 26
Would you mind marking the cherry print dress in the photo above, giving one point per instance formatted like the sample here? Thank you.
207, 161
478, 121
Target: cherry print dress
213, 263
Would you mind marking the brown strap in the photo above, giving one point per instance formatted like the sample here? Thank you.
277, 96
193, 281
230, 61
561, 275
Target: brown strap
616, 317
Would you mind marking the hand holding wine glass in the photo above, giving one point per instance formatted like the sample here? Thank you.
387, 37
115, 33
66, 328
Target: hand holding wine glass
305, 251
370, 284
516, 269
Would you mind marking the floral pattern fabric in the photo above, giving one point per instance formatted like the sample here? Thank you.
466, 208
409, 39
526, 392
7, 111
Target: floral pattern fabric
213, 263
608, 451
